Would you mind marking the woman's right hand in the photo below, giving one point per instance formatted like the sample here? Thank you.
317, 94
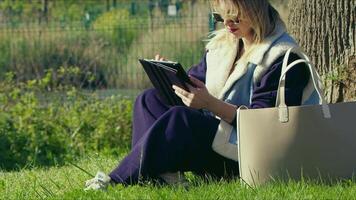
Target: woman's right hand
159, 58
198, 97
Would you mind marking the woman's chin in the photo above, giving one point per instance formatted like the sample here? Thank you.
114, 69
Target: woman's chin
236, 34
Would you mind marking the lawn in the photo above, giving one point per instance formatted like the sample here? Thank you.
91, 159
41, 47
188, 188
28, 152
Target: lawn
67, 182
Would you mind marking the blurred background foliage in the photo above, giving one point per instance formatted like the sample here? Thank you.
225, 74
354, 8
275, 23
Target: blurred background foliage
103, 37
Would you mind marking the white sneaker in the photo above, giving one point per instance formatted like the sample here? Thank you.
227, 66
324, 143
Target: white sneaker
176, 178
99, 182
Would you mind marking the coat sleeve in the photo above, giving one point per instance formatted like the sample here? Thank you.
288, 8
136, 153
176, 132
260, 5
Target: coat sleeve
199, 70
265, 91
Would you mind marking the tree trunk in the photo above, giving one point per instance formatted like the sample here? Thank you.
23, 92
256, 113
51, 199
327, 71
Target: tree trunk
325, 29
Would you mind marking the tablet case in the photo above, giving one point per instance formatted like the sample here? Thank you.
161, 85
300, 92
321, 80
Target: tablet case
164, 74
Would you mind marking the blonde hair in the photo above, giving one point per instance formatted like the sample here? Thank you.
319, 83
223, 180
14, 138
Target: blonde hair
261, 15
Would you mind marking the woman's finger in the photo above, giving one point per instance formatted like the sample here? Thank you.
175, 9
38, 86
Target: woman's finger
187, 103
183, 93
157, 57
180, 90
180, 95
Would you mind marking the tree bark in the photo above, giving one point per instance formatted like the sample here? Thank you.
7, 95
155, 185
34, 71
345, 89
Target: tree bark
325, 29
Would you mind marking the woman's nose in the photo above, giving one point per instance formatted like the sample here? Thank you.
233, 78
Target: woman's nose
228, 22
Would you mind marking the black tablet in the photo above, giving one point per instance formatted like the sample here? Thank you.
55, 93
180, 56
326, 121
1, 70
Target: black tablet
164, 74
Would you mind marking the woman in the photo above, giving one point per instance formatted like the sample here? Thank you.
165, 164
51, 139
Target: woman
241, 66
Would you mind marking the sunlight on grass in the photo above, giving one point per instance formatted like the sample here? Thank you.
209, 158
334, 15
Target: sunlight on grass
67, 182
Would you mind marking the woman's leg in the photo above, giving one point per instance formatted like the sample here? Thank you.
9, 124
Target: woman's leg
147, 109
180, 140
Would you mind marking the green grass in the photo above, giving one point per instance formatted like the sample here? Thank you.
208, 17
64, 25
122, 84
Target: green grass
67, 182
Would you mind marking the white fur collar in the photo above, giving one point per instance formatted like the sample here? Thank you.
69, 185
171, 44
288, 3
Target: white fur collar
221, 55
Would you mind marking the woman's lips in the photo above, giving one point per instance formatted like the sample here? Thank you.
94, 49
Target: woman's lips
232, 30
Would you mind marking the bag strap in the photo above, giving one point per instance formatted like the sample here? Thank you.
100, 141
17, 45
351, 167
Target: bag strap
280, 99
238, 149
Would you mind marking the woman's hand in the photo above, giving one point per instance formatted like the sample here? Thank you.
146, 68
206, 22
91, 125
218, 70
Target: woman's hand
197, 98
159, 58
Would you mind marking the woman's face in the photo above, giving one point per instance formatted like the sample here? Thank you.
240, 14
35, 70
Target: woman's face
240, 28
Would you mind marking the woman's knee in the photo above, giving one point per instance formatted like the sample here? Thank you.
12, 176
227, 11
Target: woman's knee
147, 97
183, 109
180, 110
182, 115
146, 94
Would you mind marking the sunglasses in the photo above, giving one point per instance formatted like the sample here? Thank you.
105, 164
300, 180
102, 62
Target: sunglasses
233, 18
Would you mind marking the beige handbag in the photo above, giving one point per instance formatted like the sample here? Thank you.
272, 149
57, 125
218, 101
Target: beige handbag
315, 142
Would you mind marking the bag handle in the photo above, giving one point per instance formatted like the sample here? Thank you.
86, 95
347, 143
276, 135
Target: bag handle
280, 99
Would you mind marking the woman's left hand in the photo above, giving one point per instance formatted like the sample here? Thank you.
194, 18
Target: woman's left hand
197, 98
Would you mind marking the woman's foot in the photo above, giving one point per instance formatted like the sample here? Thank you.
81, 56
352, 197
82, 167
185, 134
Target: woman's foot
99, 182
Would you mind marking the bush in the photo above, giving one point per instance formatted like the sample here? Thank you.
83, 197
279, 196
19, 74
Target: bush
29, 53
119, 27
45, 133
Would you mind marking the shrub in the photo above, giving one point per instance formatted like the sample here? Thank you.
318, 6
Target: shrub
31, 50
43, 133
29, 53
119, 27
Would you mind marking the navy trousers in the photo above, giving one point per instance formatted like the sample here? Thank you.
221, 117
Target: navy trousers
170, 139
